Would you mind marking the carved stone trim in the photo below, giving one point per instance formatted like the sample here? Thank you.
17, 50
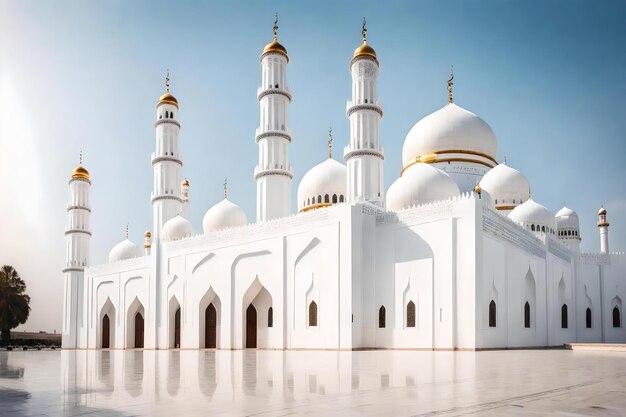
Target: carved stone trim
361, 152
502, 227
371, 58
273, 172
73, 269
166, 197
269, 91
70, 231
273, 133
264, 54
158, 159
78, 208
162, 121
79, 179
358, 107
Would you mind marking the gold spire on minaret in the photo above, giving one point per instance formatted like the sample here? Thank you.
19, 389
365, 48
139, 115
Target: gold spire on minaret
450, 84
330, 142
167, 98
225, 187
80, 172
274, 46
364, 49
126, 232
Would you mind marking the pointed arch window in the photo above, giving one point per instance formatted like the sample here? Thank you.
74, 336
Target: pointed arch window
617, 320
270, 317
313, 314
382, 317
527, 315
410, 314
326, 198
341, 198
588, 318
492, 314
564, 316
334, 198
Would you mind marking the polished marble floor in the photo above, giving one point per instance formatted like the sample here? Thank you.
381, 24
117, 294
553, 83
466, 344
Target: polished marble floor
275, 383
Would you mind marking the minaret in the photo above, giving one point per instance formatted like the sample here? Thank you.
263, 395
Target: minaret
603, 226
77, 236
364, 154
184, 191
273, 173
166, 162
147, 244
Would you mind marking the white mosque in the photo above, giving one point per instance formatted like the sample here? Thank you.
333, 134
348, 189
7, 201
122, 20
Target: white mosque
454, 255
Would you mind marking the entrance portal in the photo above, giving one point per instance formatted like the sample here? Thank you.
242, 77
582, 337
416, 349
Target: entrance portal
106, 332
251, 327
138, 330
210, 327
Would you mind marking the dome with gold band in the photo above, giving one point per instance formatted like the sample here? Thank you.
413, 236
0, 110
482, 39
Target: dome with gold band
80, 172
275, 46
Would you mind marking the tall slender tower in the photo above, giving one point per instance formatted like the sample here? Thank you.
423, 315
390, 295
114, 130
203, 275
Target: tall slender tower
77, 236
273, 173
364, 154
166, 163
603, 226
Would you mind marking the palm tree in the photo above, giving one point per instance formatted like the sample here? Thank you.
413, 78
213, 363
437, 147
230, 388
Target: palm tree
14, 302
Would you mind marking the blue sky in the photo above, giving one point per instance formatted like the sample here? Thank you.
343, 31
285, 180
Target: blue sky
548, 76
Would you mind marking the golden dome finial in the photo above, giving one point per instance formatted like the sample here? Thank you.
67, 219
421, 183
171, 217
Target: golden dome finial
225, 187
330, 142
126, 232
80, 172
80, 157
276, 26
167, 81
505, 158
450, 84
364, 31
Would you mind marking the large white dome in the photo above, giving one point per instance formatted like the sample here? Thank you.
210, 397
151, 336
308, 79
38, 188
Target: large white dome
451, 128
224, 215
534, 216
420, 184
325, 183
124, 250
567, 219
507, 186
177, 228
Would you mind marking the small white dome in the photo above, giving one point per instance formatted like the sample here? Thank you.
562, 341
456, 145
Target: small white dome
124, 250
449, 128
567, 218
328, 178
224, 215
508, 187
420, 184
534, 215
177, 228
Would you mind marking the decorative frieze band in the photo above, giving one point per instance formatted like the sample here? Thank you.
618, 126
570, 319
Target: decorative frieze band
273, 172
361, 152
273, 134
284, 55
167, 197
162, 121
371, 58
503, 228
158, 159
78, 208
70, 231
358, 107
73, 269
269, 91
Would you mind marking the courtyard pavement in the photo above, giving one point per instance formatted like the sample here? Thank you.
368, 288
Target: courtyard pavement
327, 383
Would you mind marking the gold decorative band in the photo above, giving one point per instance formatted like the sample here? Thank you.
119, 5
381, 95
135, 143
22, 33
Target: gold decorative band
315, 206
505, 207
432, 158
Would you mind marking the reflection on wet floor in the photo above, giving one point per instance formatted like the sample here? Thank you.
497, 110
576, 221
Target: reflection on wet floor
197, 382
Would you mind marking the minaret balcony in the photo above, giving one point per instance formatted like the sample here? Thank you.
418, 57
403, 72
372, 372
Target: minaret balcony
261, 133
273, 169
167, 157
352, 107
262, 92
69, 208
69, 231
350, 152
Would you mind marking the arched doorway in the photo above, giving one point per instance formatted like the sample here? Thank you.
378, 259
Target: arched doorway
106, 332
210, 327
139, 330
251, 327
177, 328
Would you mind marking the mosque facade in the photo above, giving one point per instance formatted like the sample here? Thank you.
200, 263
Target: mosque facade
456, 254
